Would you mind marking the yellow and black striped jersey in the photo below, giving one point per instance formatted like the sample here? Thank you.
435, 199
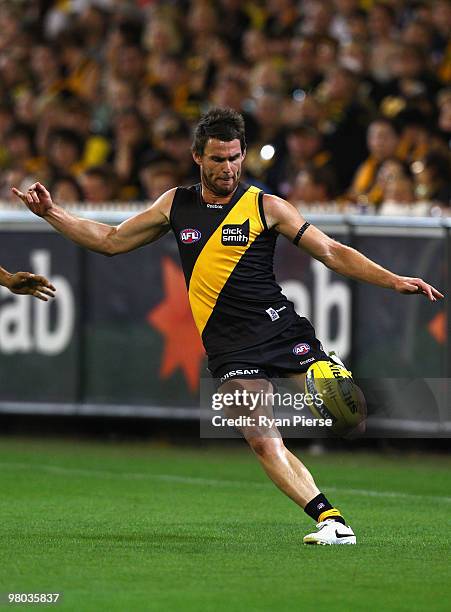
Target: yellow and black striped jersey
227, 257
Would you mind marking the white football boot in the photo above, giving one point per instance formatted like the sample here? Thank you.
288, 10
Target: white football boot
331, 532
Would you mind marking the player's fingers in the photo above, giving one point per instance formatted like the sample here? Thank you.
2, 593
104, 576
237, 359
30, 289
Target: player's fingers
425, 289
411, 288
436, 293
35, 197
43, 281
18, 193
45, 291
428, 292
36, 282
41, 189
40, 295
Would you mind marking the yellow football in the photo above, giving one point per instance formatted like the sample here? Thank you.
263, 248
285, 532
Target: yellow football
341, 400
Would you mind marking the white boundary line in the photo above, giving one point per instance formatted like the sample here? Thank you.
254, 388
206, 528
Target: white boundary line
194, 480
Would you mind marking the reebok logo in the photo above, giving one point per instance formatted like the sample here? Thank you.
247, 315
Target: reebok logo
307, 361
235, 234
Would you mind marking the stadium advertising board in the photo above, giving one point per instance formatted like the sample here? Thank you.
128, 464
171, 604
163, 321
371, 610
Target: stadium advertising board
40, 342
120, 331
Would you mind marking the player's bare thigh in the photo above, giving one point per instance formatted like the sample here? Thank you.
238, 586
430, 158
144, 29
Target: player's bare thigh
261, 416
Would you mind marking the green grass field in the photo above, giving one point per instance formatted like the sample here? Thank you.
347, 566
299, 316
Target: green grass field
139, 527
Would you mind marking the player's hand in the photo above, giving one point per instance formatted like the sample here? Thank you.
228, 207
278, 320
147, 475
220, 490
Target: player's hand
408, 285
37, 198
26, 283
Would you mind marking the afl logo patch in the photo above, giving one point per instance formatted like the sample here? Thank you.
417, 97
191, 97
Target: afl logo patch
301, 349
190, 235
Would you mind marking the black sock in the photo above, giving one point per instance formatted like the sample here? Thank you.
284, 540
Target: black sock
319, 508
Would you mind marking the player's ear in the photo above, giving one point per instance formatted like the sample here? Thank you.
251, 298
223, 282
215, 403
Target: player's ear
243, 154
197, 158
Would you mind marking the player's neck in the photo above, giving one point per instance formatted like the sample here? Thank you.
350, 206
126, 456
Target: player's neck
211, 197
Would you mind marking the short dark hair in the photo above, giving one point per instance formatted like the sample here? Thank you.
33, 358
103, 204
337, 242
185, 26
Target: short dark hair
221, 123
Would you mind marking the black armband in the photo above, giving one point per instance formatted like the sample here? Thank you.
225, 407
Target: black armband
300, 233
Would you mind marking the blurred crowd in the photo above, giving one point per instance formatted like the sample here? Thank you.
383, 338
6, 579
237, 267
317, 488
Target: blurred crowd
347, 103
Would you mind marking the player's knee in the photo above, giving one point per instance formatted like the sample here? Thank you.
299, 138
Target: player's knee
266, 448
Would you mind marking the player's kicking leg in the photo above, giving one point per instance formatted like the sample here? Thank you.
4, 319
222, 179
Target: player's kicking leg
286, 471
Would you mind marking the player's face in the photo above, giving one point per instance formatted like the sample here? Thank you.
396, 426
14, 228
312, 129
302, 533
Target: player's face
220, 166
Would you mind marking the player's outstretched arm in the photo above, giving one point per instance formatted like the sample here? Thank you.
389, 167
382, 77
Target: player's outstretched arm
141, 229
285, 218
26, 283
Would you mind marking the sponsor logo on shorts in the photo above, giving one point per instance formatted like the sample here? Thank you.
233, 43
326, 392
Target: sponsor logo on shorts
235, 234
309, 360
243, 372
190, 235
301, 349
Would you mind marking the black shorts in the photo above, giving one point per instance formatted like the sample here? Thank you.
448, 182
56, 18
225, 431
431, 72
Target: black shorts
292, 351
